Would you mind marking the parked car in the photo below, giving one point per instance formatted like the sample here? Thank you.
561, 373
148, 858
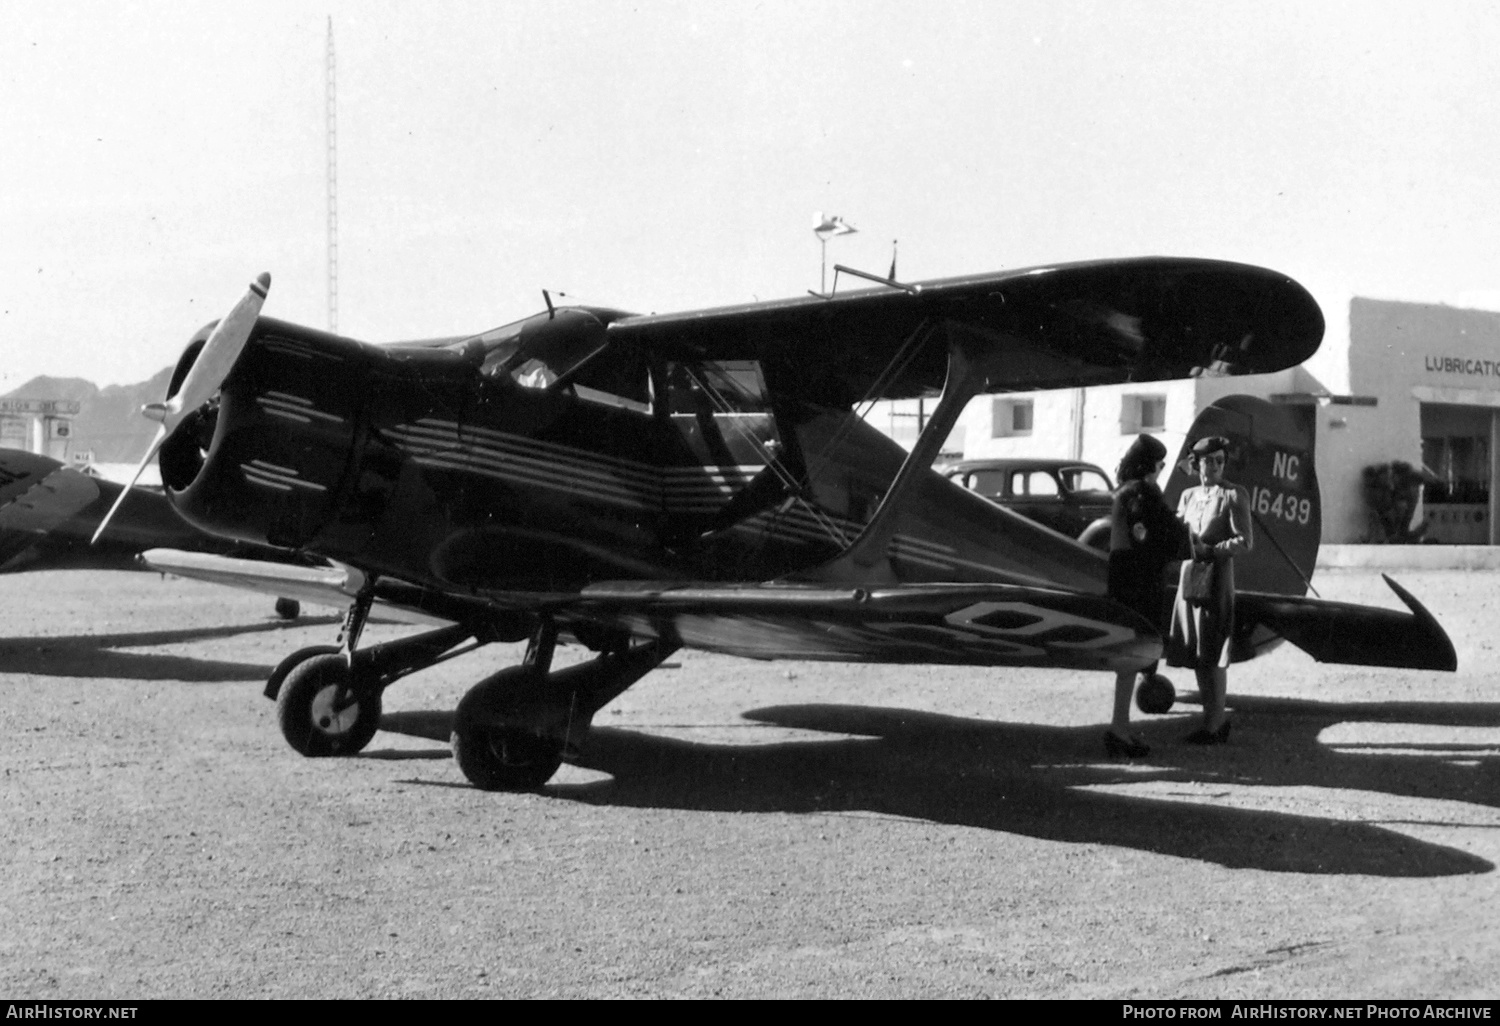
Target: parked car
1066, 495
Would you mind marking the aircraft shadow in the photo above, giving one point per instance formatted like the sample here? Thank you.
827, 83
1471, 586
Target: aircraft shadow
1028, 780
101, 655
1031, 780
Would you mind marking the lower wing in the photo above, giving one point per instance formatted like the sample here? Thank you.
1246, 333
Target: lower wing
975, 625
334, 585
967, 624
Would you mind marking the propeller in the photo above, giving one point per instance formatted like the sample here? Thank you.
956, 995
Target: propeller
207, 373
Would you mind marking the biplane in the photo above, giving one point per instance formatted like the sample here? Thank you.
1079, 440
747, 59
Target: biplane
640, 483
50, 515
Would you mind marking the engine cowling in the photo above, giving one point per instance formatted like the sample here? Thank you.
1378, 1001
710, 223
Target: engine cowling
264, 460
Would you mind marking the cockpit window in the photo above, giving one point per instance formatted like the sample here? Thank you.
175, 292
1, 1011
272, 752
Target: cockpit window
538, 351
567, 351
722, 386
617, 376
492, 347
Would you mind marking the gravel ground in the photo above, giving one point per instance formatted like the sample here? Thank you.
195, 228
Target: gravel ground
737, 829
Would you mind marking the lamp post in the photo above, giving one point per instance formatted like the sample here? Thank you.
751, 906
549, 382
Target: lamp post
825, 228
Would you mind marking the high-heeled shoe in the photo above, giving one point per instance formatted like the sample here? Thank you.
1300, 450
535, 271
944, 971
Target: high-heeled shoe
1132, 747
1204, 736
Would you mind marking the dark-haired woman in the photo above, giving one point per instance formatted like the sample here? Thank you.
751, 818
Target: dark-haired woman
1217, 515
1144, 536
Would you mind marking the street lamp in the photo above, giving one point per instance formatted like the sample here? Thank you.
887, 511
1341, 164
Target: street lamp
825, 228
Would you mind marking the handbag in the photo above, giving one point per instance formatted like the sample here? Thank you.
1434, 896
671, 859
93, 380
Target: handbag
1198, 582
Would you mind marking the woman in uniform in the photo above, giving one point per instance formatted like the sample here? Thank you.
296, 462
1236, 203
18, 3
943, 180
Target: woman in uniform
1217, 515
1144, 537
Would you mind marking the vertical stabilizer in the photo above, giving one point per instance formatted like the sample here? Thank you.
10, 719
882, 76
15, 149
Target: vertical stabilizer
1271, 457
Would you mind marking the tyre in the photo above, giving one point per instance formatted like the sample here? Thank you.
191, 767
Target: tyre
290, 663
1155, 695
495, 755
321, 711
288, 609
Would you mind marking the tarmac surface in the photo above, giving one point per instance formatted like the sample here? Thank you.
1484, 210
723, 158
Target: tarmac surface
738, 829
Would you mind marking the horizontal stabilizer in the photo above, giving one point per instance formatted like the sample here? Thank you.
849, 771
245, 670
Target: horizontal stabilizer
1342, 632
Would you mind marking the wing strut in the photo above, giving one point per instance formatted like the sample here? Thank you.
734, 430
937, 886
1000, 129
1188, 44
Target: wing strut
867, 558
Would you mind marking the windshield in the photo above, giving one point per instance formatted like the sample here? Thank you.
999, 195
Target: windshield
492, 347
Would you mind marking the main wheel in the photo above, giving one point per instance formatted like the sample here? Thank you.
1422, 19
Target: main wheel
496, 755
322, 712
1155, 695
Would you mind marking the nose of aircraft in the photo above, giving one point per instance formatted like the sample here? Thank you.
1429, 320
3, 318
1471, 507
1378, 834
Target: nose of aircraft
263, 457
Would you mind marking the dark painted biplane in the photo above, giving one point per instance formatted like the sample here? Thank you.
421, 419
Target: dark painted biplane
50, 517
641, 483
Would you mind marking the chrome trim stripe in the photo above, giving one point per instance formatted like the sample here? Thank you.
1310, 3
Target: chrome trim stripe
281, 478
291, 404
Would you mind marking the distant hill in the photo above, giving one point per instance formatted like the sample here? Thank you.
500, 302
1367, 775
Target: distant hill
109, 422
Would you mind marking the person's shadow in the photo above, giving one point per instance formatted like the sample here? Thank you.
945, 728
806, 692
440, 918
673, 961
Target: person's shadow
1036, 781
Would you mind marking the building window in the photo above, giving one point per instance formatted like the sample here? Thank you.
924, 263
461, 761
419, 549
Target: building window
1143, 414
1011, 417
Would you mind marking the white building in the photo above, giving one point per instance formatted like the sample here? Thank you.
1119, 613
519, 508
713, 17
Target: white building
40, 426
1410, 382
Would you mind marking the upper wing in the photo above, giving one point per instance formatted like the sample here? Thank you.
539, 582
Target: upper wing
1342, 632
1144, 319
969, 624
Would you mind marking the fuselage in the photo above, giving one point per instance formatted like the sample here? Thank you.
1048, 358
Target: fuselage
539, 458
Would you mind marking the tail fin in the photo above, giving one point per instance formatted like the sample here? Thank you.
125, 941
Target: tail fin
1271, 458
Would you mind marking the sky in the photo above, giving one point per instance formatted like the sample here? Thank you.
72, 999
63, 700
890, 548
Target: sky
668, 154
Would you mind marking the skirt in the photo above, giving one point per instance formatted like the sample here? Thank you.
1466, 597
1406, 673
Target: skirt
1200, 633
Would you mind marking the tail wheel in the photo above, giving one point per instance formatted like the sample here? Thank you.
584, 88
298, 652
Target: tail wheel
288, 609
496, 755
1155, 695
322, 712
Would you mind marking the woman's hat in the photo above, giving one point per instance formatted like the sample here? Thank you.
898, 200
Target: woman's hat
1140, 460
1210, 444
1145, 450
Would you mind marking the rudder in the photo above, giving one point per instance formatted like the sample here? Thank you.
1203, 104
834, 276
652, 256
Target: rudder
1271, 456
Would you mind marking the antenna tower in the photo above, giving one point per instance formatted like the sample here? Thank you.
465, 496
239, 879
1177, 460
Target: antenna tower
333, 188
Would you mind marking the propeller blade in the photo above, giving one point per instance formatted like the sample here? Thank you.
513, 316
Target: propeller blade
218, 356
161, 436
214, 362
